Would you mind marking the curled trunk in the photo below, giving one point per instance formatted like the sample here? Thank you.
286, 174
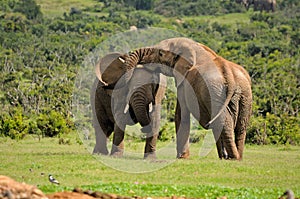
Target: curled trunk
138, 57
139, 105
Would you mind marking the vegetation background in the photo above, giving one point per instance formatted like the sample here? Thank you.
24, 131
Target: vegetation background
43, 46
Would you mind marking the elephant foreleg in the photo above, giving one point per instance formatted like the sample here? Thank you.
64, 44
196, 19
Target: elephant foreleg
118, 142
101, 141
182, 124
150, 147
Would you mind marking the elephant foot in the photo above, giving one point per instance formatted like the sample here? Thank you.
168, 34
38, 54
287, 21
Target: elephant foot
184, 155
237, 157
224, 153
147, 129
150, 156
100, 151
118, 154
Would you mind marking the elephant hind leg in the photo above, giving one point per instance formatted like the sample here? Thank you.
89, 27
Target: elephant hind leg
224, 136
222, 153
242, 122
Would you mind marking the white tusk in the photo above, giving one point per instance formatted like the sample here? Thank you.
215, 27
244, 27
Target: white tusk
150, 107
122, 60
126, 108
139, 66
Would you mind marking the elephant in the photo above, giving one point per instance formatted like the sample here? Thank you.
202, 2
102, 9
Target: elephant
260, 5
245, 3
116, 105
217, 92
267, 5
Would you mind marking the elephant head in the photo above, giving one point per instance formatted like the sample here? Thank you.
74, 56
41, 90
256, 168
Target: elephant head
134, 98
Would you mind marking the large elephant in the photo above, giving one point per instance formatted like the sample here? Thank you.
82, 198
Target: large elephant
116, 104
216, 91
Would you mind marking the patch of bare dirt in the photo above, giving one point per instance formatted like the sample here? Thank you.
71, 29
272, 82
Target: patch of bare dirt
10, 189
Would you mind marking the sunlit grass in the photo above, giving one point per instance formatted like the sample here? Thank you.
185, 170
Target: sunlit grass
265, 170
229, 19
56, 8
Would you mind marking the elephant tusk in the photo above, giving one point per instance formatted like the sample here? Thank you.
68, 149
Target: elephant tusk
121, 59
126, 108
150, 107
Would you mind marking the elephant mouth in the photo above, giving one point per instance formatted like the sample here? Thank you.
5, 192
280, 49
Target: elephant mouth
132, 115
128, 108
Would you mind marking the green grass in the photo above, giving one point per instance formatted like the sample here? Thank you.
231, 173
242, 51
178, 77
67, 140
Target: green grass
265, 172
232, 19
56, 8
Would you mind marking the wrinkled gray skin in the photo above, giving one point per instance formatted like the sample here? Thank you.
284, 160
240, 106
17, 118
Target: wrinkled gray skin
111, 113
259, 5
215, 91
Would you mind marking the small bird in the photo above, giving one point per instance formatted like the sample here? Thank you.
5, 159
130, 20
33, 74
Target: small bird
288, 194
52, 179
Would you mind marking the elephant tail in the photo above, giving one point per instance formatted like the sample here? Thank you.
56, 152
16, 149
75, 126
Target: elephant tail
231, 87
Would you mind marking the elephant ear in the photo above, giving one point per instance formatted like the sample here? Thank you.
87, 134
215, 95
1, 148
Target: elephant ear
110, 69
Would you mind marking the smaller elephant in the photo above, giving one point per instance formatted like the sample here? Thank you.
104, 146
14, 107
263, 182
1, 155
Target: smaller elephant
267, 5
116, 104
260, 5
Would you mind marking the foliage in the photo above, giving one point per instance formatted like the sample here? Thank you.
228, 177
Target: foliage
40, 57
29, 8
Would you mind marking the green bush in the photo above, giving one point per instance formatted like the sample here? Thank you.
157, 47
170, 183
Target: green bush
52, 124
273, 129
14, 125
29, 8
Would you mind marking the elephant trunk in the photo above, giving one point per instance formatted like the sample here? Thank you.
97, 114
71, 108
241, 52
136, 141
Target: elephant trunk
140, 56
140, 103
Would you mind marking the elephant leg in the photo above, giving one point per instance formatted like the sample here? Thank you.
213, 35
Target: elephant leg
224, 135
182, 124
117, 149
101, 141
219, 145
150, 147
224, 152
228, 138
242, 121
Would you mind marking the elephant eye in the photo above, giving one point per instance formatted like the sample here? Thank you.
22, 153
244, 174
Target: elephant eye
160, 53
176, 57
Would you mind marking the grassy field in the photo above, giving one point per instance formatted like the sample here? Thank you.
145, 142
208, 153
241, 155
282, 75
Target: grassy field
265, 172
56, 8
230, 19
